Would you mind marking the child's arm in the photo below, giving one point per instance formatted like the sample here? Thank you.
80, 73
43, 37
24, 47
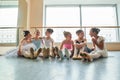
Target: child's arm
93, 41
43, 42
76, 44
93, 46
81, 44
73, 45
52, 43
61, 46
84, 43
99, 45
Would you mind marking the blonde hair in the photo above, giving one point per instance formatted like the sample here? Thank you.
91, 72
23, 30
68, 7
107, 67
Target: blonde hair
36, 30
66, 33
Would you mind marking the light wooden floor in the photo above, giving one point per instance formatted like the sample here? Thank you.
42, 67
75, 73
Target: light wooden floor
14, 68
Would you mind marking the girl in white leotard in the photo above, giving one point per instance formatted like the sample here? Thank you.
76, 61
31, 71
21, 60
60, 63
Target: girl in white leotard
98, 44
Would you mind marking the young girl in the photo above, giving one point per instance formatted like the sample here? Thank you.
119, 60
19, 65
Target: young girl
48, 41
49, 49
37, 40
26, 47
99, 46
67, 45
80, 44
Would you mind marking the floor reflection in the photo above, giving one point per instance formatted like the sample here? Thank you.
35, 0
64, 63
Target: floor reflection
13, 68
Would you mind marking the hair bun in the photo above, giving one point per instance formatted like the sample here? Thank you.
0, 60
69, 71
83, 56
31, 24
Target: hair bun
26, 32
66, 33
98, 30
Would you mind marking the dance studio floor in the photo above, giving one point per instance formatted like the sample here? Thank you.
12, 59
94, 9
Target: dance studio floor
14, 68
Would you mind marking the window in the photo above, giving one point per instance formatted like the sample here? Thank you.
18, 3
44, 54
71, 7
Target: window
100, 16
62, 16
67, 16
8, 18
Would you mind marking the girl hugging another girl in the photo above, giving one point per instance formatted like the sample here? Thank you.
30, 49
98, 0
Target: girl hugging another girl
98, 44
26, 47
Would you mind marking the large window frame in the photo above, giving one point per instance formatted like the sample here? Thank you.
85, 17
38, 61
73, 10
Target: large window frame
82, 27
10, 27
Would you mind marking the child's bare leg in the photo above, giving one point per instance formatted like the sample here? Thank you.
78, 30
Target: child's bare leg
26, 54
67, 53
86, 56
75, 54
52, 54
72, 53
32, 52
48, 52
56, 52
36, 54
44, 52
60, 53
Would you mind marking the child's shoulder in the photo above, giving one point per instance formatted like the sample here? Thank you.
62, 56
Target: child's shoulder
23, 40
101, 38
72, 41
64, 41
84, 39
76, 40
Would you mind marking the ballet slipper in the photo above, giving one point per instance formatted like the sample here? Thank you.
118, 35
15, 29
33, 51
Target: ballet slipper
67, 53
56, 52
75, 57
52, 52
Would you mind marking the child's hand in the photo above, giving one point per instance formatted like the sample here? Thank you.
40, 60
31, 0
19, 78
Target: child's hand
19, 52
78, 46
94, 40
93, 48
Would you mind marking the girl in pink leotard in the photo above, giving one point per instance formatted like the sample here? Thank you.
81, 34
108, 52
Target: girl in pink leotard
67, 45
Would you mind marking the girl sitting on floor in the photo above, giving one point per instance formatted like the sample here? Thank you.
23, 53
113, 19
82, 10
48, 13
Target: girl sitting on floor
80, 44
67, 45
49, 49
99, 46
37, 40
26, 47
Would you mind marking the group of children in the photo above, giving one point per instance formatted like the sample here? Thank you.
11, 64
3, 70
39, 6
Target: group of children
33, 47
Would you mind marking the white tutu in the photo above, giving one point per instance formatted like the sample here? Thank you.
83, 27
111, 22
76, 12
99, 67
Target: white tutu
28, 46
24, 48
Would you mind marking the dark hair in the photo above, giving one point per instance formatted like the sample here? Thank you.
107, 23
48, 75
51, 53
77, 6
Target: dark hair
50, 30
25, 33
79, 31
66, 33
96, 30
